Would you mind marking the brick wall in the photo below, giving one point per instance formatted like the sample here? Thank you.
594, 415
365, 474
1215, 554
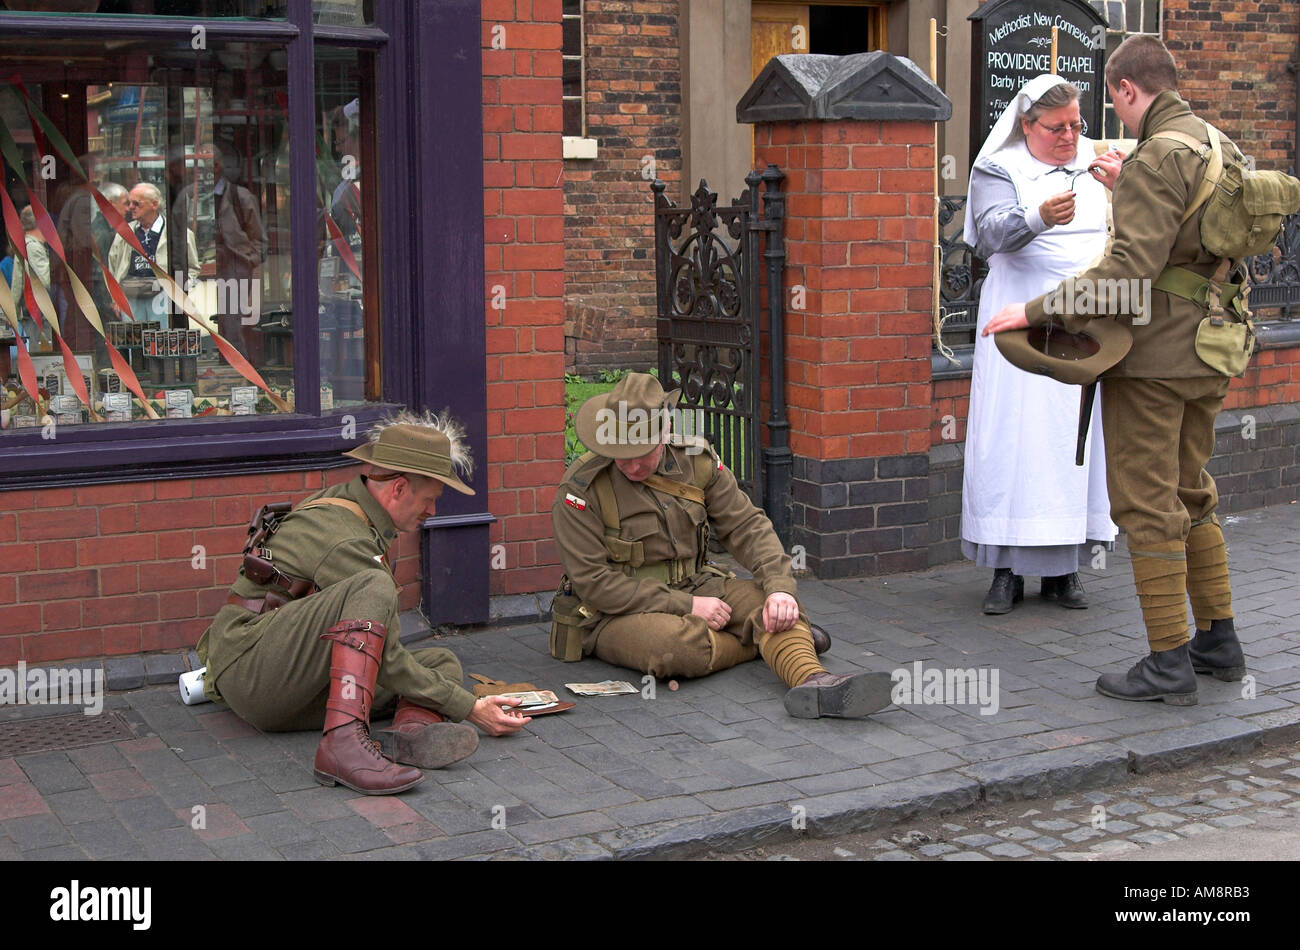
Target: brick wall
858, 239
1233, 58
138, 567
633, 101
858, 250
523, 207
950, 405
1272, 379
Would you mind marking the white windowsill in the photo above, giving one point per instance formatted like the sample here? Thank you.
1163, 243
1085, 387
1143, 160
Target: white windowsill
575, 147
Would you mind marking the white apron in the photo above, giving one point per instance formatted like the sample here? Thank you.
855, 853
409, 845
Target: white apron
1020, 485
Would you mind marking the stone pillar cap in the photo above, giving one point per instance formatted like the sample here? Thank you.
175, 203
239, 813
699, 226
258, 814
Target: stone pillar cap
875, 85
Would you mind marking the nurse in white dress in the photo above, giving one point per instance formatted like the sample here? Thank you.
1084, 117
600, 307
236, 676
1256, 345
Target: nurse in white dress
1037, 216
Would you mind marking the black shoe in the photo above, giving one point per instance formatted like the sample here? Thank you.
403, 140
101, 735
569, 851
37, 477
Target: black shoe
1217, 651
1007, 589
1067, 590
821, 639
1167, 675
842, 696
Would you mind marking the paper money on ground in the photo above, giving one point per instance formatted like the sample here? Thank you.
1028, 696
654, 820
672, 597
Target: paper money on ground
606, 688
540, 697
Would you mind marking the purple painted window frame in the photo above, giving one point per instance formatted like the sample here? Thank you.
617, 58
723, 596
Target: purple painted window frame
429, 90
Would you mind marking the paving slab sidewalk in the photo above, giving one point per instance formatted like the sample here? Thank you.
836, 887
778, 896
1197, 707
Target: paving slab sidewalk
713, 764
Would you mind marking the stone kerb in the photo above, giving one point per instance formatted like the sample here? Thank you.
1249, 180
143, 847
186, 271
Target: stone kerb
855, 138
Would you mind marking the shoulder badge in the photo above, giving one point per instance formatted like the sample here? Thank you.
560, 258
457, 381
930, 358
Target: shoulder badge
573, 501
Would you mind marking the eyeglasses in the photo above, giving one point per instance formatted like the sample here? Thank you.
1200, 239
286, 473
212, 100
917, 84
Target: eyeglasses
1074, 128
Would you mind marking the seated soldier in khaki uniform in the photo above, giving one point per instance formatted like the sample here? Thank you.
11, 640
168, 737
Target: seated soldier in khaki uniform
632, 520
323, 658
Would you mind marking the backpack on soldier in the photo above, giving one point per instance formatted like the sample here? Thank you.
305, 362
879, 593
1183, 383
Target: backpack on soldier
1244, 213
1244, 208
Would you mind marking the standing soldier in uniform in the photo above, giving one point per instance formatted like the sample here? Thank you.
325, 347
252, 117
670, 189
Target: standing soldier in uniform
1159, 402
325, 657
632, 519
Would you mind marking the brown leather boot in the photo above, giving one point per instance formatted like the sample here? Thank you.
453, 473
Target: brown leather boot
821, 639
346, 753
424, 738
845, 696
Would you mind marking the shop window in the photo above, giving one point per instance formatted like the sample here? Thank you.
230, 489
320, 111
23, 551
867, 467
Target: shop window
154, 279
343, 12
346, 190
149, 250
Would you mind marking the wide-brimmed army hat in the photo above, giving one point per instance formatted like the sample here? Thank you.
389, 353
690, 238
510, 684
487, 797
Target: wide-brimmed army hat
628, 421
1074, 358
421, 449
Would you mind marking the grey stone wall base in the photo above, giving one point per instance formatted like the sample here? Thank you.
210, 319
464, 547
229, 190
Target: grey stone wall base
861, 516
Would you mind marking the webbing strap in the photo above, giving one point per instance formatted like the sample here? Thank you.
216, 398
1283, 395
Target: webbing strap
1190, 285
351, 506
679, 489
1215, 161
608, 504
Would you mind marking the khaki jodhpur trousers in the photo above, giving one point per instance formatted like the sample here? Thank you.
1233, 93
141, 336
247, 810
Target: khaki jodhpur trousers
666, 645
1159, 436
282, 682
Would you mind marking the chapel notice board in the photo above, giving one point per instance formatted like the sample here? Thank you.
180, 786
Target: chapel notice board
1011, 43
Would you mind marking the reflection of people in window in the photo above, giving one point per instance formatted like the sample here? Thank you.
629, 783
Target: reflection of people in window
76, 212
345, 203
103, 235
241, 245
38, 263
131, 268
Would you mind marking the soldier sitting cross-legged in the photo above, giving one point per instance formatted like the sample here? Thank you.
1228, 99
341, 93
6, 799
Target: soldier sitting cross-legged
632, 520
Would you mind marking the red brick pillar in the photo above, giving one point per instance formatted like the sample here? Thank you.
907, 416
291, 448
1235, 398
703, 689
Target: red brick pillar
858, 156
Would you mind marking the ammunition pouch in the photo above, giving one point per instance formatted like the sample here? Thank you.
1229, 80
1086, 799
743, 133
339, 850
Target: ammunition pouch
257, 566
1225, 339
571, 620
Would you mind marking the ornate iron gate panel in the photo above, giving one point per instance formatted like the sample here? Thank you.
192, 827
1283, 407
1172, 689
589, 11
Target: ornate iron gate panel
1275, 276
961, 272
707, 275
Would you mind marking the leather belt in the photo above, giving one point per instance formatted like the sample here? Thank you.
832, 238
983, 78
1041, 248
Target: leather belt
254, 605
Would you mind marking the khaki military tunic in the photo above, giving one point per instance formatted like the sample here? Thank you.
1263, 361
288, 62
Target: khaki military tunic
273, 668
645, 620
1159, 403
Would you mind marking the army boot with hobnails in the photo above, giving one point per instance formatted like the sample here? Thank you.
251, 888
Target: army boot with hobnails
424, 738
1217, 652
1166, 676
1160, 575
347, 754
843, 696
